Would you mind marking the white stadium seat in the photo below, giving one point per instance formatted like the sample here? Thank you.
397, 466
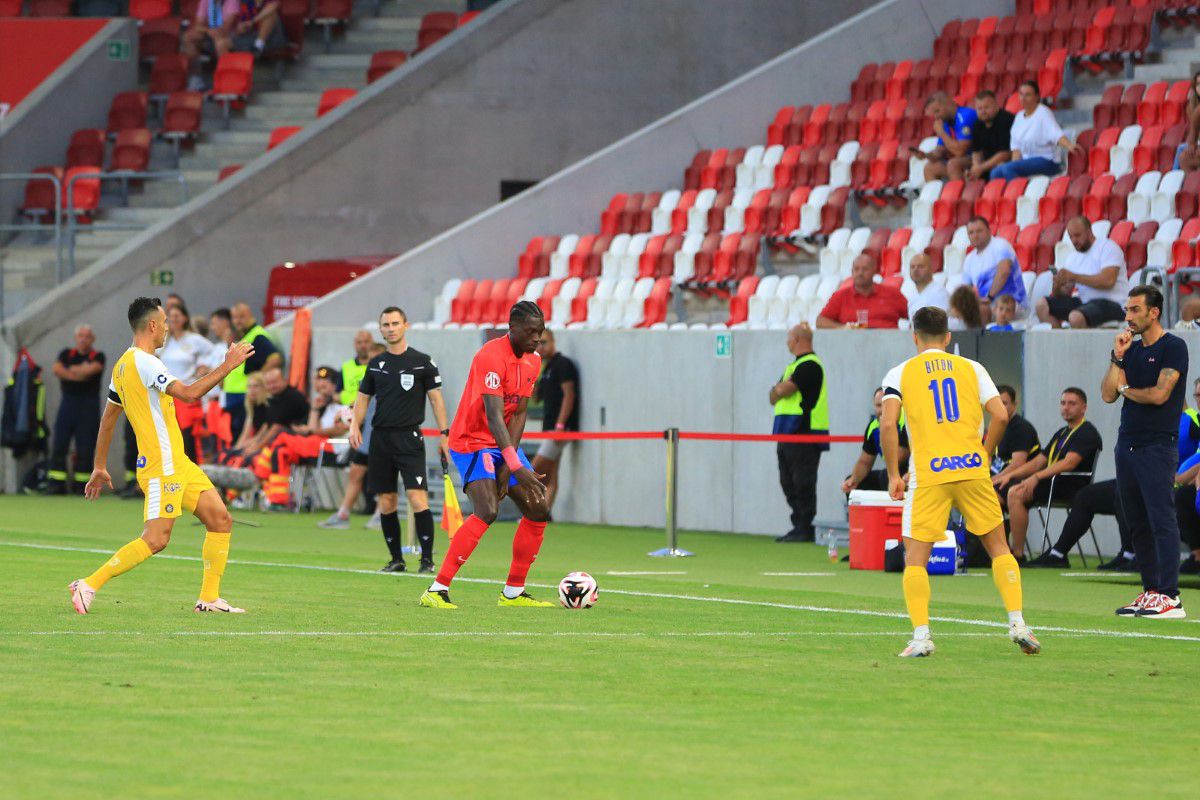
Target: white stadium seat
744, 172
560, 306
839, 170
858, 241
1158, 252
735, 212
956, 252
698, 214
559, 259
764, 174
610, 260
1027, 204
1120, 157
629, 260
922, 207
1162, 205
920, 239
660, 216
1138, 203
685, 257
441, 304
831, 253
810, 212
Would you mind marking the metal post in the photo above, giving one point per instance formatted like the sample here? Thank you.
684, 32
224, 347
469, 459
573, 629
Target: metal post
671, 551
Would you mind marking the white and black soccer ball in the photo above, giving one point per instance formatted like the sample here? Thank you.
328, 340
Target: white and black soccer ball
578, 590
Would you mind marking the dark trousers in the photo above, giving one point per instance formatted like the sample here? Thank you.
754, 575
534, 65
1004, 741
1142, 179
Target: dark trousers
1099, 498
1187, 516
1145, 481
237, 418
78, 420
798, 477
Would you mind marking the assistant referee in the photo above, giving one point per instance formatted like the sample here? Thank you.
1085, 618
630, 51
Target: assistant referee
400, 378
1151, 376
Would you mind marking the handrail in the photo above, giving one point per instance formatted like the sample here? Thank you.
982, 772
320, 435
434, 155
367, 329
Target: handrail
55, 224
72, 224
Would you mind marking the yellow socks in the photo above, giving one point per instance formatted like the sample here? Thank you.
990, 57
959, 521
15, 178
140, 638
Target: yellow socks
215, 553
916, 596
122, 561
1007, 577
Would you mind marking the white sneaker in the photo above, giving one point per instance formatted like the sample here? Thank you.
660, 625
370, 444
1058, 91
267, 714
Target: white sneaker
218, 605
918, 648
1161, 606
373, 523
1133, 608
335, 522
82, 596
1023, 638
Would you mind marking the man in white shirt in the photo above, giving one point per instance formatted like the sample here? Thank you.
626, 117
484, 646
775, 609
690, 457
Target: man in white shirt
991, 268
1097, 268
927, 291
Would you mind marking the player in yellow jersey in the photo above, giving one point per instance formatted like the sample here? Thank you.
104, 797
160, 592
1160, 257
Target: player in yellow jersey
146, 391
943, 397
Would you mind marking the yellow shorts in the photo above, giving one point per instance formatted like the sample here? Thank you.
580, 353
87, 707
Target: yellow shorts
168, 497
927, 509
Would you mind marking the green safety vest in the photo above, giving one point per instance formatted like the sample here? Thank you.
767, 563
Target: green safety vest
235, 381
791, 405
352, 375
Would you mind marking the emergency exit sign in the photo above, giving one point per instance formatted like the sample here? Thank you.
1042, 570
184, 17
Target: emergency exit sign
724, 345
118, 50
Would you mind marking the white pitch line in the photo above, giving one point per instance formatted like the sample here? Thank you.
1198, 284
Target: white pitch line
1096, 574
859, 612
514, 634
799, 574
614, 573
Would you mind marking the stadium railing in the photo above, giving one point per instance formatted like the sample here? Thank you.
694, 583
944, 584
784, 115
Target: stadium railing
38, 227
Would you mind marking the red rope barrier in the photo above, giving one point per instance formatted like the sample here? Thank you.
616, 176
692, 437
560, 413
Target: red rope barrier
573, 436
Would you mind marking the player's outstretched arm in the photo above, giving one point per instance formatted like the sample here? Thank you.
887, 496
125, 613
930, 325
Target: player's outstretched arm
194, 392
100, 477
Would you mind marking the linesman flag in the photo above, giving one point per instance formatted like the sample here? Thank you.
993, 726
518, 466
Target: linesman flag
452, 517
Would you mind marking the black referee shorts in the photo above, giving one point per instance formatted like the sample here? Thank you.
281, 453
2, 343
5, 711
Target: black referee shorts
396, 451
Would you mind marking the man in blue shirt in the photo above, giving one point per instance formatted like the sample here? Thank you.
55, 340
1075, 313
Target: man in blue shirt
1151, 376
953, 125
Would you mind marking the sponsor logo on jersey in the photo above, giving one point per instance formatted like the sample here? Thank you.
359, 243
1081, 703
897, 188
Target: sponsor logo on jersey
162, 378
171, 488
170, 508
492, 380
406, 382
141, 462
967, 461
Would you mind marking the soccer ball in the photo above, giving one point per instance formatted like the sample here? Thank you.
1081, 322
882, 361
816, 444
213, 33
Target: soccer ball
578, 590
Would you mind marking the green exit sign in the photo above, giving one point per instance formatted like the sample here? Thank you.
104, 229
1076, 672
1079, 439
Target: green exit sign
162, 277
724, 347
118, 50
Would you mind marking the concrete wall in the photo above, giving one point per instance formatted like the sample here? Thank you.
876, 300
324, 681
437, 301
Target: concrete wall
74, 96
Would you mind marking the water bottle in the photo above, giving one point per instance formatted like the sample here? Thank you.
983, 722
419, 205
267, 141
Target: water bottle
960, 545
833, 548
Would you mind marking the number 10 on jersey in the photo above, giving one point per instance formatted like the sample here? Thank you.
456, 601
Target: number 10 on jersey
945, 399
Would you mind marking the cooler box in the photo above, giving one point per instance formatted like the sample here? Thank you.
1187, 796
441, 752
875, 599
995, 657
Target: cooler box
874, 518
943, 558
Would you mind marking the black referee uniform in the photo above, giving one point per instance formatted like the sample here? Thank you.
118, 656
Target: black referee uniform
399, 384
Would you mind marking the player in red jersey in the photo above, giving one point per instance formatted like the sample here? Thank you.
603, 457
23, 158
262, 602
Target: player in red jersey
483, 444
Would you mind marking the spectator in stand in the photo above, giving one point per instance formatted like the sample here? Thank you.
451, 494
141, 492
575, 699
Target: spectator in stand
953, 125
258, 29
1097, 269
991, 267
864, 303
1187, 158
1034, 137
286, 409
187, 354
1073, 448
255, 414
863, 475
224, 26
1020, 440
990, 143
964, 310
1004, 311
173, 300
79, 369
558, 390
926, 291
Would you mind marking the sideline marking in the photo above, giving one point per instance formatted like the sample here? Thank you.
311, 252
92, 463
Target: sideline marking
617, 574
1096, 574
513, 634
800, 574
859, 612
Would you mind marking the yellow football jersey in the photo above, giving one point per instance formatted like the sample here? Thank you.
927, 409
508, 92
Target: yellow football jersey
942, 396
139, 385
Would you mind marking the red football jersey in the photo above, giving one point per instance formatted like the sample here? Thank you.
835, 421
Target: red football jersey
495, 370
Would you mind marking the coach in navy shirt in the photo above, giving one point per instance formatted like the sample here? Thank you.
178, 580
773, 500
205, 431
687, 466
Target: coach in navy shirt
1151, 377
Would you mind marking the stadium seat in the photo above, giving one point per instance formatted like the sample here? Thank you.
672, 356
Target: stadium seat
1158, 251
169, 74
282, 134
1183, 250
1029, 204
577, 312
158, 37
1120, 157
434, 26
131, 151
49, 8
127, 110
82, 192
1099, 155
181, 118
1136, 249
1138, 201
332, 98
11, 8
233, 81
1162, 203
41, 198
330, 14
1095, 202
1026, 245
86, 148
227, 171
144, 10
384, 62
1006, 206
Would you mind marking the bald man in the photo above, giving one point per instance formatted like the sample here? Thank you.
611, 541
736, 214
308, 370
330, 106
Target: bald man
78, 369
925, 290
801, 407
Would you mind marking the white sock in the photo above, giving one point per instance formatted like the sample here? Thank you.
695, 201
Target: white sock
921, 632
343, 513
1016, 618
438, 587
1129, 555
1054, 552
513, 592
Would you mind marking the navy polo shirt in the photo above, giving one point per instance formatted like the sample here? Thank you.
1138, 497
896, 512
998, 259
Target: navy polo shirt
1144, 424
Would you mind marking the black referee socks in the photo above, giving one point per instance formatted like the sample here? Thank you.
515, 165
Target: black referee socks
424, 520
391, 534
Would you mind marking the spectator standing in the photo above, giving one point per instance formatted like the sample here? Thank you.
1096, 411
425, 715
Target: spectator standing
558, 391
864, 303
863, 475
1073, 448
953, 125
353, 369
1150, 376
926, 291
1097, 269
801, 406
1035, 135
266, 355
187, 355
78, 369
990, 141
991, 267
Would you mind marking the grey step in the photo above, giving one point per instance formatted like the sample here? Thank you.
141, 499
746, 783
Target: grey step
309, 85
209, 157
288, 98
392, 25
339, 61
279, 115
355, 47
237, 138
1149, 73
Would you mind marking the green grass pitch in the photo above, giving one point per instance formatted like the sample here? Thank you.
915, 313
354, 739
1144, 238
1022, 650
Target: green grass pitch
720, 681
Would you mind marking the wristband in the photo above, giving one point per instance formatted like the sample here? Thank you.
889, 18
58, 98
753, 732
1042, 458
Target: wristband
511, 460
445, 431
560, 427
1112, 356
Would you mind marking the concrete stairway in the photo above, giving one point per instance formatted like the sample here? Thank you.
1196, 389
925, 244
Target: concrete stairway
287, 97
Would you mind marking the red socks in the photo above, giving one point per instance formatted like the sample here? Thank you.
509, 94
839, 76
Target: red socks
526, 545
461, 547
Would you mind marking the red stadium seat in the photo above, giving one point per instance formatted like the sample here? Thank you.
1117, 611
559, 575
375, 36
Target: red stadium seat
739, 301
876, 243
890, 263
988, 203
654, 310
1050, 204
643, 215
577, 261
434, 26
1006, 207
1095, 204
610, 218
679, 214
1187, 201
169, 74
1098, 155
794, 133
1135, 251
227, 171
493, 306
150, 9
945, 208
1118, 198
1026, 244
789, 215
1050, 78
461, 300
1183, 249
1077, 163
691, 175
1121, 233
467, 17
1073, 202
282, 134
833, 213
627, 214
158, 37
384, 62
131, 151
293, 17
716, 214
1175, 104
778, 125
331, 14
937, 246
1149, 110
49, 8
477, 303
128, 110
549, 292
83, 191
42, 196
182, 117
332, 98
1043, 253
11, 8
233, 81
535, 261
1130, 100
814, 129
86, 148
579, 303
1145, 154
861, 87
1104, 115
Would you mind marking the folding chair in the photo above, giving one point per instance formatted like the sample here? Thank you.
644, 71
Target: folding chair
305, 479
1051, 504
